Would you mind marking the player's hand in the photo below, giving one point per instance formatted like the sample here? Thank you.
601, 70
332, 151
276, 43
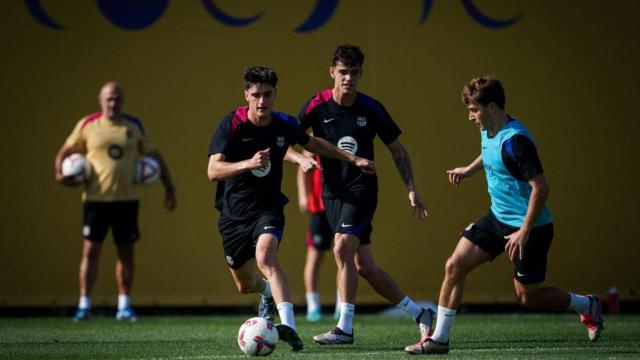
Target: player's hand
456, 175
67, 180
367, 166
307, 163
260, 159
515, 244
418, 205
170, 200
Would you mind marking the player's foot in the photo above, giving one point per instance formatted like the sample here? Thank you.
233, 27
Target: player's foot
314, 315
334, 337
82, 315
126, 314
594, 319
425, 322
290, 336
267, 308
428, 346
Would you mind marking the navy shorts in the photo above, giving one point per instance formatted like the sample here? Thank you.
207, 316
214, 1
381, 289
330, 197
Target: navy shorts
121, 216
319, 235
239, 237
351, 216
488, 233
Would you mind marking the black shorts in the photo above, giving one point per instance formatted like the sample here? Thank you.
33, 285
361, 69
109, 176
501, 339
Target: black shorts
351, 216
488, 233
319, 235
239, 237
121, 216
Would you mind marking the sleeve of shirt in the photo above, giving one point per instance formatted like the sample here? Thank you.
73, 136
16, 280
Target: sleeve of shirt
388, 130
76, 138
520, 156
220, 141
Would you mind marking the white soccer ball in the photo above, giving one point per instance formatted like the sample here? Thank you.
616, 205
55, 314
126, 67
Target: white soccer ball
147, 171
257, 337
76, 167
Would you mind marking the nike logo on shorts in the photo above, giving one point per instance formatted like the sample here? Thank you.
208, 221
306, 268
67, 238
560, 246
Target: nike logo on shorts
269, 227
346, 225
521, 274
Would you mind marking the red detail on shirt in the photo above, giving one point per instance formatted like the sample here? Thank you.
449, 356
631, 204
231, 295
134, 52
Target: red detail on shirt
240, 116
320, 98
91, 118
315, 193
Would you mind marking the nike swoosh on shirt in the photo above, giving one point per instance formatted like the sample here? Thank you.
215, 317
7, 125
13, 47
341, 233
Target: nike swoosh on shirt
328, 120
247, 139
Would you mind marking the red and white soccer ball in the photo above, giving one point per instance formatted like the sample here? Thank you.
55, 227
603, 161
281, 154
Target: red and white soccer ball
257, 337
76, 167
147, 171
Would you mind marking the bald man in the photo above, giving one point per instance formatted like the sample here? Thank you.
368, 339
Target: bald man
111, 141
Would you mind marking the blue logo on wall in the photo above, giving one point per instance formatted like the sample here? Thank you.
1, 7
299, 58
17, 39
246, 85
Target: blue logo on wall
140, 14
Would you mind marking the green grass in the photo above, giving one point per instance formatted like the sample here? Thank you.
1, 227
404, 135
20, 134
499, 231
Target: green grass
517, 336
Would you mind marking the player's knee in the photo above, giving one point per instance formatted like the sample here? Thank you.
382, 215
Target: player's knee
452, 268
342, 250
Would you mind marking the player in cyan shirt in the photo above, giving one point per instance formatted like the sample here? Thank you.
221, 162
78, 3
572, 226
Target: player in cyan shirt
352, 120
518, 223
245, 157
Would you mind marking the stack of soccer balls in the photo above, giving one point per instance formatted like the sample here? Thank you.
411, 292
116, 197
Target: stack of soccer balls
257, 337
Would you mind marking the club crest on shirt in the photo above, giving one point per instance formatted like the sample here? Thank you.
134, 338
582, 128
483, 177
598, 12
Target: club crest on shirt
263, 171
280, 141
116, 152
361, 121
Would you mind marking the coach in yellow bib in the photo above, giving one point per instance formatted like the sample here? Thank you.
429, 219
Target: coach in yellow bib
111, 142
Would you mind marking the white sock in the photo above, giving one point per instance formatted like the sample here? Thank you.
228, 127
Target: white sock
580, 304
285, 310
313, 301
267, 289
123, 302
346, 317
84, 303
443, 325
409, 307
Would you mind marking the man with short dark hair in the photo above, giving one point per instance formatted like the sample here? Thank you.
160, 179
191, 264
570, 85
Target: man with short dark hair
518, 223
351, 120
245, 158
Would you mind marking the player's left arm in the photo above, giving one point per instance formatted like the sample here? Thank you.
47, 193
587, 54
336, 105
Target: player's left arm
403, 164
306, 163
539, 193
324, 148
170, 200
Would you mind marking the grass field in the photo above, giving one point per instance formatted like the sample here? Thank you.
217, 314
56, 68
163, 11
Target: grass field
503, 336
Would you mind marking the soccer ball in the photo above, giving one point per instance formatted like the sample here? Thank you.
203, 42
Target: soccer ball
257, 337
76, 167
147, 171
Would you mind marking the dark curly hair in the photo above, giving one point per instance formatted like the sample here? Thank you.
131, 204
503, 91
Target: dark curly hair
260, 75
348, 54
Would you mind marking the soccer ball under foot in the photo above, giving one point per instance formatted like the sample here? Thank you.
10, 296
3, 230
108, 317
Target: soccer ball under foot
257, 337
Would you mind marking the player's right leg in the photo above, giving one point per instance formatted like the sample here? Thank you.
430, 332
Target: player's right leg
267, 262
94, 229
318, 240
344, 250
466, 257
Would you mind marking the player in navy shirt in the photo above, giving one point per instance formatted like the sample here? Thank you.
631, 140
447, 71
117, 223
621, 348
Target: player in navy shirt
352, 120
245, 157
518, 222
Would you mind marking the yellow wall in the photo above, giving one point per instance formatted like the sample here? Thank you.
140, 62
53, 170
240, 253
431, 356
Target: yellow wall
570, 70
